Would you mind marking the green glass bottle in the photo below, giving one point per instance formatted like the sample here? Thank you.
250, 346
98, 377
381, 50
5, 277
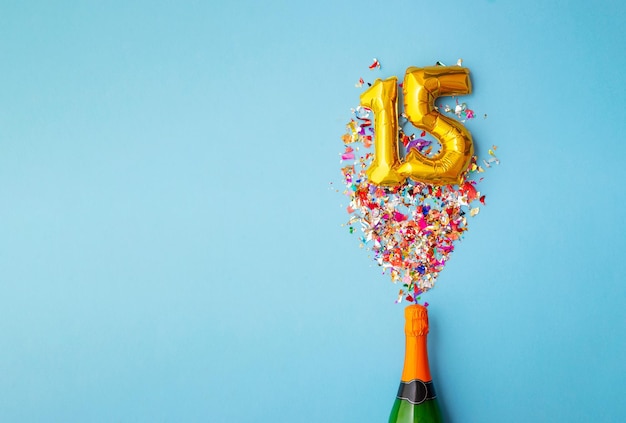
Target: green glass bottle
416, 401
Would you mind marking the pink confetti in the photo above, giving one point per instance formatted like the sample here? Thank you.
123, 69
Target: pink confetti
399, 217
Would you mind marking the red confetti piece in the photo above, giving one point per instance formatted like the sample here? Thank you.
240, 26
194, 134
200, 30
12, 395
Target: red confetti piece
469, 191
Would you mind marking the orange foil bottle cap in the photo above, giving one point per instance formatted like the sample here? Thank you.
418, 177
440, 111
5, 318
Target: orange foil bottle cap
416, 317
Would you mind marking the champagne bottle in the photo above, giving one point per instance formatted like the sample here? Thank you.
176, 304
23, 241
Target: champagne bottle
416, 401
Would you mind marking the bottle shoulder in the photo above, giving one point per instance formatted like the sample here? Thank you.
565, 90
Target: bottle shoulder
405, 412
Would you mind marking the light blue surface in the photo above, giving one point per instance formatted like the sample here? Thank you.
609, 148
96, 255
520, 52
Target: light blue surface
171, 249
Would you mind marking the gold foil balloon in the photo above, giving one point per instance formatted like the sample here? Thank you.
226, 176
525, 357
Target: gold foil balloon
420, 88
382, 99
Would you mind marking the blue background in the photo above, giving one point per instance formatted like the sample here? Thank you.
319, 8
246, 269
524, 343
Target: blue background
171, 248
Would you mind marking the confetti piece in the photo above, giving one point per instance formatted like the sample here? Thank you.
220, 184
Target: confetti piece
400, 296
419, 144
375, 64
399, 217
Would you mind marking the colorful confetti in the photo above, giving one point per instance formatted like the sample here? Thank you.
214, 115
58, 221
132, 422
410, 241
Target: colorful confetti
412, 229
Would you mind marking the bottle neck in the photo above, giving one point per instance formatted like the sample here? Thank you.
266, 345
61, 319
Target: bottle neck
416, 359
416, 351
